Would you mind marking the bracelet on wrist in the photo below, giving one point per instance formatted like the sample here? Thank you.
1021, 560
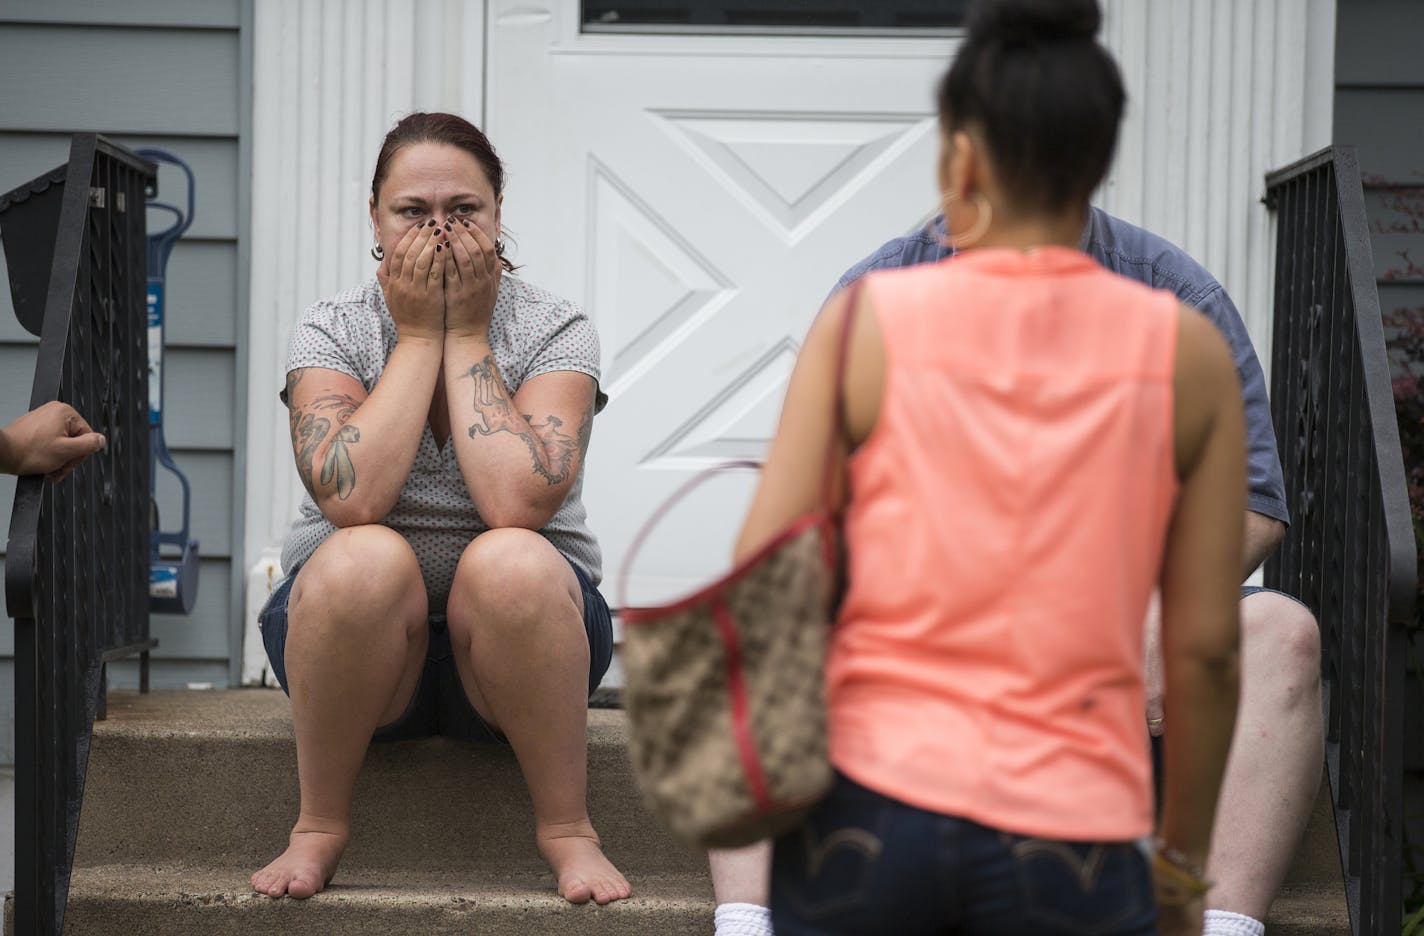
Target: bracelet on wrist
1178, 881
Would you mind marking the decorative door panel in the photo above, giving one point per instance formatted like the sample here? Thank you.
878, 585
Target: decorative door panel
700, 195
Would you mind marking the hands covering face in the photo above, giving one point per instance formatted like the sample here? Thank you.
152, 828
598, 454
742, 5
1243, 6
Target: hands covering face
472, 272
442, 279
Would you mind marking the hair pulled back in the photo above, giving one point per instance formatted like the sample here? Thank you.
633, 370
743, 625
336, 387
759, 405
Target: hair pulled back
452, 130
1047, 98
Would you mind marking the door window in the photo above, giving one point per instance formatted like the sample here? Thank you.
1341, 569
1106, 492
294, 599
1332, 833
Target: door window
857, 17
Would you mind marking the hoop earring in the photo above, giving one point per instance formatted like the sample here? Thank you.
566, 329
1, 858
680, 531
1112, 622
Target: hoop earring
378, 252
969, 238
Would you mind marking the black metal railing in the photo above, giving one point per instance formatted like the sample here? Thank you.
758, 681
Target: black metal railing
76, 573
1350, 551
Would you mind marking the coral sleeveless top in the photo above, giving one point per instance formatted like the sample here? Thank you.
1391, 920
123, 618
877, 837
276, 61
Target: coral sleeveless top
1005, 532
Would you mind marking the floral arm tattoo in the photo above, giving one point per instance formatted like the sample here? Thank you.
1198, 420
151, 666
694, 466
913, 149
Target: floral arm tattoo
552, 450
338, 461
309, 430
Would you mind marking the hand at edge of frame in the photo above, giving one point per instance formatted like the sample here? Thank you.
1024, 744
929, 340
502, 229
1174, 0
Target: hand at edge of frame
52, 440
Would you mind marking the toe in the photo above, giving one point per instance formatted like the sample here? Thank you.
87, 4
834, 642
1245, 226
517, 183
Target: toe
576, 891
266, 882
301, 888
606, 891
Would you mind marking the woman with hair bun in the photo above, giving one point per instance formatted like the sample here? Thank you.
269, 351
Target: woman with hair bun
1032, 446
442, 578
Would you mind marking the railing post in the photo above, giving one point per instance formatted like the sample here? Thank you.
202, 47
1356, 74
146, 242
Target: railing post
27, 782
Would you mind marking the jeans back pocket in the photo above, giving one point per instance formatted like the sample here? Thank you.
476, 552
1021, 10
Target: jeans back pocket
1085, 888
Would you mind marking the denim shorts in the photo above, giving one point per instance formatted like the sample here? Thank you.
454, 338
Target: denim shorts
1248, 590
864, 863
440, 706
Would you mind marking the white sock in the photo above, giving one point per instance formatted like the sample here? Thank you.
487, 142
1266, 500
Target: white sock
742, 919
1226, 923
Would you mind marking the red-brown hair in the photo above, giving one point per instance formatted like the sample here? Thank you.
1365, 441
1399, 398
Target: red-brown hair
452, 130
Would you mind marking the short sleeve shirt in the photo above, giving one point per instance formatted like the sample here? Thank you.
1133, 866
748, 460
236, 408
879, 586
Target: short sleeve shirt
532, 332
1138, 254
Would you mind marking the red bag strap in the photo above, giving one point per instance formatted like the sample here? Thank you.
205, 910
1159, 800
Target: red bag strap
697, 480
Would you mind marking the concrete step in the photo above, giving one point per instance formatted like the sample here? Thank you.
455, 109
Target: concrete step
1310, 910
1312, 903
156, 900
1317, 858
176, 900
208, 779
189, 792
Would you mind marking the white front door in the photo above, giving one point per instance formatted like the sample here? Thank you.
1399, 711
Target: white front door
700, 195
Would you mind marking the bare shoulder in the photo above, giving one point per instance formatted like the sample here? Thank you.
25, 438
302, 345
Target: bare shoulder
1204, 358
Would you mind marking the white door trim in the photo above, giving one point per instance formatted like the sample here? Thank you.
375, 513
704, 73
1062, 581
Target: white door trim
329, 80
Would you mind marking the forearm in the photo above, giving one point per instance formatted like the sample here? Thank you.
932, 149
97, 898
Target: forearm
9, 457
1262, 535
355, 461
518, 467
1202, 692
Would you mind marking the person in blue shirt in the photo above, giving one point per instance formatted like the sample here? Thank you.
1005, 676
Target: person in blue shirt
1273, 770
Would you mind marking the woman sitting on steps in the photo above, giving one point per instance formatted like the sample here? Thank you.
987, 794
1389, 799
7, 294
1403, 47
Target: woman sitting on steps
442, 577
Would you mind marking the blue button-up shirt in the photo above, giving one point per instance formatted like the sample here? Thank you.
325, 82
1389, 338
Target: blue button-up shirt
1130, 251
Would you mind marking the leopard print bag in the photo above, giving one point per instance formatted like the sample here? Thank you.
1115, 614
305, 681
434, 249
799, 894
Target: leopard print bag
725, 688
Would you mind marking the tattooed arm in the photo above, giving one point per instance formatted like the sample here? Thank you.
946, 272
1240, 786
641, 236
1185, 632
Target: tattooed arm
354, 452
519, 454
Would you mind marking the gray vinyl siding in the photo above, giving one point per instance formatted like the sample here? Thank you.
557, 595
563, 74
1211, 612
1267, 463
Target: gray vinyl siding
1379, 109
160, 14
170, 74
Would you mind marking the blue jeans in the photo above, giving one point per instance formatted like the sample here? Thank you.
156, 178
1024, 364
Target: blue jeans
863, 863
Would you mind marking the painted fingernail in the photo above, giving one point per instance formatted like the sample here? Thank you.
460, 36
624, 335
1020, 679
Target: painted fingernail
433, 222
437, 248
447, 225
465, 223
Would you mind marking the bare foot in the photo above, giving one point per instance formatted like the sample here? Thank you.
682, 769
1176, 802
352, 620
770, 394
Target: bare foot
309, 862
576, 856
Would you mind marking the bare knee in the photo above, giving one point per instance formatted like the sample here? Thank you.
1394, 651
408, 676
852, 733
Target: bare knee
1280, 642
362, 574
512, 576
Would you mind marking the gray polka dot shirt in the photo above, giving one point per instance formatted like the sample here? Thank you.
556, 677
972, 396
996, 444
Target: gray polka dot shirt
532, 332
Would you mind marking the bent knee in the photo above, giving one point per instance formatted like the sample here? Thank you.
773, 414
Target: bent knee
512, 569
363, 567
511, 558
1281, 634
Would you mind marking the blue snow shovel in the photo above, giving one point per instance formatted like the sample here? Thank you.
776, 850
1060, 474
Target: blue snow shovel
172, 556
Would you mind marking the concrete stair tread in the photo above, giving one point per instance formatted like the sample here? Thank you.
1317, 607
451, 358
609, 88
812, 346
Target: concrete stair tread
174, 898
251, 714
189, 792
426, 805
1310, 910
